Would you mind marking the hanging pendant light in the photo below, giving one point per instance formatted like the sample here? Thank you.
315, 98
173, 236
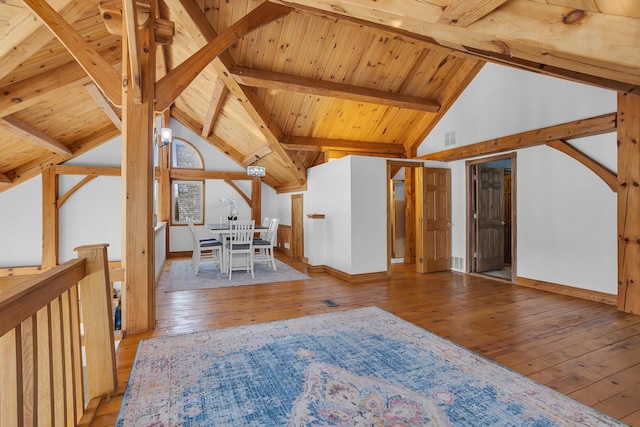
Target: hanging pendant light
255, 170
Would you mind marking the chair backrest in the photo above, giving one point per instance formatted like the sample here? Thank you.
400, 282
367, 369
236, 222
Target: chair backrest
272, 233
192, 227
241, 232
266, 221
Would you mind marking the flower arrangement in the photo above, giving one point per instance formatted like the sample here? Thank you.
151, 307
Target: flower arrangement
232, 207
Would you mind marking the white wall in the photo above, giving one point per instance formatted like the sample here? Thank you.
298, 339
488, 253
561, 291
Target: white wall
566, 218
21, 224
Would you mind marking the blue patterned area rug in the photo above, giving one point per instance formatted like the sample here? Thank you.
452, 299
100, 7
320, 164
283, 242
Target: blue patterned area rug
181, 277
362, 367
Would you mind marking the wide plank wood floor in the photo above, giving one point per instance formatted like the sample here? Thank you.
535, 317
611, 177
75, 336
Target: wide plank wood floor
586, 350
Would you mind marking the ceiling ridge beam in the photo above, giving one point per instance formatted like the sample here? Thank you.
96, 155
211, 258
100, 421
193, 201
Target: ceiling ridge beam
100, 71
171, 86
577, 129
34, 136
301, 143
287, 82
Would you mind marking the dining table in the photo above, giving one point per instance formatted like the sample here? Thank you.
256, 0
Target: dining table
221, 229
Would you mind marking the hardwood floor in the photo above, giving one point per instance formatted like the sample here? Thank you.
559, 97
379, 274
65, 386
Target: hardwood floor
588, 351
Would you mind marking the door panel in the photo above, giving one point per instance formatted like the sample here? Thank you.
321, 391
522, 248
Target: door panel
433, 246
490, 219
297, 232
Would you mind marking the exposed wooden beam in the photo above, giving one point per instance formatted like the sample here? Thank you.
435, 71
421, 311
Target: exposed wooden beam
239, 191
576, 129
259, 152
300, 143
628, 203
286, 82
218, 96
188, 174
33, 135
199, 28
73, 189
551, 35
25, 36
172, 85
35, 167
4, 179
604, 173
465, 13
86, 170
228, 149
100, 71
104, 104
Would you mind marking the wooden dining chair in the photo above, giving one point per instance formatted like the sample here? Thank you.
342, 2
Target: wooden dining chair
240, 243
264, 246
204, 248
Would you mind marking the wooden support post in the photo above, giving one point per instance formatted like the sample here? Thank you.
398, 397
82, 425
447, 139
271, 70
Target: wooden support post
49, 218
256, 200
629, 203
95, 291
137, 181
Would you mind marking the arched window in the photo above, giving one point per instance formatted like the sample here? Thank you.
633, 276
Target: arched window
187, 196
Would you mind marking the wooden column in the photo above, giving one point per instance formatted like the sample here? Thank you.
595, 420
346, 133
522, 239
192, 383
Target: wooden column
49, 218
256, 200
137, 181
629, 203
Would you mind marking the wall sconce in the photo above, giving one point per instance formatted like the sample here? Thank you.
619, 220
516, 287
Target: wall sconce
165, 137
255, 170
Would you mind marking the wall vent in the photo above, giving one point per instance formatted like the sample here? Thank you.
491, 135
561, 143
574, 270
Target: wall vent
457, 263
450, 138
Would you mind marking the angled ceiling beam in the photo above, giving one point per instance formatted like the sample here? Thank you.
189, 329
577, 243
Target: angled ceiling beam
465, 13
100, 71
33, 135
576, 129
279, 81
300, 143
170, 86
257, 154
219, 94
199, 28
553, 36
610, 178
23, 37
4, 180
104, 104
26, 93
35, 167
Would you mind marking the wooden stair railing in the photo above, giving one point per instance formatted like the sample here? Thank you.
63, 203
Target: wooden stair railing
42, 377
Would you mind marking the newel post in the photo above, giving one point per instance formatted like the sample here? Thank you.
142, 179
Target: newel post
95, 299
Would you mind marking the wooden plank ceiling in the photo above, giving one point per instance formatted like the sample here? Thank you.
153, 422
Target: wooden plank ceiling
321, 79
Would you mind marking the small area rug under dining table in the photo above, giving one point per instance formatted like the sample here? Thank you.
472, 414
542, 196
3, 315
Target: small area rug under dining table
363, 367
181, 277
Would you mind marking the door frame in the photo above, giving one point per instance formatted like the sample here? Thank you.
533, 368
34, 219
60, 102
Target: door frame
297, 234
470, 203
410, 206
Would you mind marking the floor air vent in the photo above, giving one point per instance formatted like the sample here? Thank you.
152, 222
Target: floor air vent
330, 303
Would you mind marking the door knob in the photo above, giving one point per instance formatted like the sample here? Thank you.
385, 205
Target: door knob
502, 222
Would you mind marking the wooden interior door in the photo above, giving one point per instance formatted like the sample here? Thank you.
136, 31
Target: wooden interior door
297, 230
433, 216
489, 218
507, 217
